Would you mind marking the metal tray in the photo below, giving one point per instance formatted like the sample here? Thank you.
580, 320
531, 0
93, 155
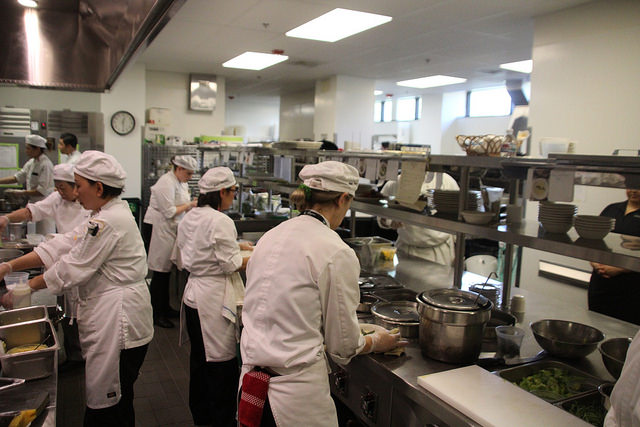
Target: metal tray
515, 374
21, 315
593, 398
33, 364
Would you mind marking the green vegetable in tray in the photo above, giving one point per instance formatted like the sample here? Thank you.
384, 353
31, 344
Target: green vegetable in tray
552, 384
593, 413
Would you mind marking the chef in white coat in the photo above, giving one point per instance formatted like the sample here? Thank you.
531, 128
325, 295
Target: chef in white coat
206, 247
169, 201
301, 298
104, 259
625, 398
418, 241
68, 147
37, 177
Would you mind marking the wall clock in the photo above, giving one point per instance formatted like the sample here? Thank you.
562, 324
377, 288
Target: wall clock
122, 122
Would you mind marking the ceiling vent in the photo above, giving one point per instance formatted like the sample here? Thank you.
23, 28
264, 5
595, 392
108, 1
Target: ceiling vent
303, 63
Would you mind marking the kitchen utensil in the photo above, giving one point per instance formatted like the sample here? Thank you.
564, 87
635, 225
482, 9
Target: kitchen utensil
477, 217
452, 323
9, 383
517, 307
17, 278
26, 411
594, 401
17, 231
9, 254
509, 340
566, 339
33, 364
481, 264
490, 292
614, 353
35, 239
368, 249
22, 315
366, 301
605, 390
490, 401
397, 314
498, 318
21, 295
497, 361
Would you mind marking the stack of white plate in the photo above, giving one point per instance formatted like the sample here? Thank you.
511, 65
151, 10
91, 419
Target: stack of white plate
556, 217
593, 226
446, 201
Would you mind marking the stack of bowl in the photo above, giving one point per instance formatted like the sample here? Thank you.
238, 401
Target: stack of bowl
556, 217
446, 201
593, 226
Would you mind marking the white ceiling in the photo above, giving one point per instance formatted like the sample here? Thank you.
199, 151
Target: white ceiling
462, 38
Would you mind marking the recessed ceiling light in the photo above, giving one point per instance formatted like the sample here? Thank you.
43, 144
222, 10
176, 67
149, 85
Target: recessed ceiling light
254, 61
377, 92
520, 66
431, 81
28, 3
338, 24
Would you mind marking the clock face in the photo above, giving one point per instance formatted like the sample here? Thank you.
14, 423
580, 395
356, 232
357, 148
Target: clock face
122, 122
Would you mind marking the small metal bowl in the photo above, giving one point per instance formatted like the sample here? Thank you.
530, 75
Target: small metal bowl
614, 353
566, 339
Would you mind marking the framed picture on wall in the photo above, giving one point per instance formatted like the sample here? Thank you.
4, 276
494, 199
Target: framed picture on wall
203, 90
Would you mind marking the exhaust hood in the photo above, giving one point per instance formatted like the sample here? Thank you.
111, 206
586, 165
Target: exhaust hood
77, 44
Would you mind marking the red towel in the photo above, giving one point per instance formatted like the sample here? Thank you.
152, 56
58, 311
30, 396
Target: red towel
255, 385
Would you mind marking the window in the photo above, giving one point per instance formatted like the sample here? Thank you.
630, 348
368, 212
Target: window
409, 108
488, 102
382, 111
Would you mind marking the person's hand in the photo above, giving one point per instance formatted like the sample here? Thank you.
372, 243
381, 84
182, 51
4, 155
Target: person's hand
609, 271
7, 300
5, 269
382, 342
246, 246
194, 203
4, 221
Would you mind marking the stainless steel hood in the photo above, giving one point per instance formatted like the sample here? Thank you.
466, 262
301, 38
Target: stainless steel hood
77, 44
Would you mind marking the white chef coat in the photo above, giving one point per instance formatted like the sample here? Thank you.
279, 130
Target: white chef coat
302, 293
206, 247
104, 259
625, 398
419, 241
67, 215
166, 194
71, 159
37, 174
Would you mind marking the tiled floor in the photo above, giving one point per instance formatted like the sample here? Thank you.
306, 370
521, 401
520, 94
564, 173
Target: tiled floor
161, 391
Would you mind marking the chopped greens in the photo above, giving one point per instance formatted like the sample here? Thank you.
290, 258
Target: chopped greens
552, 384
593, 413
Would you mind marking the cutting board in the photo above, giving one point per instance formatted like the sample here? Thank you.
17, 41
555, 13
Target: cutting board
493, 401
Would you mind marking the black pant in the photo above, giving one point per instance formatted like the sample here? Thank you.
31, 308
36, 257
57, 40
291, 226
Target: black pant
146, 231
159, 290
71, 340
120, 414
212, 385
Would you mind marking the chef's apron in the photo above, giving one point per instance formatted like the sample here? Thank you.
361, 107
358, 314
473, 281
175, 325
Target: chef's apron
301, 396
218, 333
100, 323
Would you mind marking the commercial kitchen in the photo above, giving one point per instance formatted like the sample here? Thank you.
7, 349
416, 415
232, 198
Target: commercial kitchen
154, 86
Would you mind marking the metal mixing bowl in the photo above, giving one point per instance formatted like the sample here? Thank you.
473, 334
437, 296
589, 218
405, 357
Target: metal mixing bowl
614, 352
562, 338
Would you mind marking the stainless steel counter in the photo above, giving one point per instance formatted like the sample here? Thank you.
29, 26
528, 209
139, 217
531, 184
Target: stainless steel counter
400, 374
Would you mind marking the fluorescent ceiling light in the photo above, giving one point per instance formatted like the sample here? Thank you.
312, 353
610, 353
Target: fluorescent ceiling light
377, 92
520, 66
254, 60
28, 3
431, 81
337, 25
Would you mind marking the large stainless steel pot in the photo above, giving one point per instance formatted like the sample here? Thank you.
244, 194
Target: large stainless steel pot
397, 314
452, 322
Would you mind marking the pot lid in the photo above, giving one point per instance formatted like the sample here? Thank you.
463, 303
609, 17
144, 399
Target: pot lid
397, 311
454, 299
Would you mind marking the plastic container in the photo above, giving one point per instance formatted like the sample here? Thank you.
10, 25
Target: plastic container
35, 239
12, 280
21, 296
509, 340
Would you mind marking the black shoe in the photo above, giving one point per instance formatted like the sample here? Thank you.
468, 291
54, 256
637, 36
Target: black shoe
163, 322
173, 314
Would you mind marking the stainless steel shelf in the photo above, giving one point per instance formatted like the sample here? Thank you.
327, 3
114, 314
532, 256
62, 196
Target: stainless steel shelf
527, 234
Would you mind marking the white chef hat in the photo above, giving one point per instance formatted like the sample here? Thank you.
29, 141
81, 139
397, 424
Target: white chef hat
36, 141
63, 172
331, 176
98, 166
215, 179
186, 162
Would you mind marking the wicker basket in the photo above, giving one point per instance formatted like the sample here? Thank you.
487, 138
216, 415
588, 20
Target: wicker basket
481, 145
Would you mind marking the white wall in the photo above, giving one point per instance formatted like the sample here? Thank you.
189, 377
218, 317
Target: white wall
354, 110
128, 93
296, 116
584, 86
259, 115
170, 90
